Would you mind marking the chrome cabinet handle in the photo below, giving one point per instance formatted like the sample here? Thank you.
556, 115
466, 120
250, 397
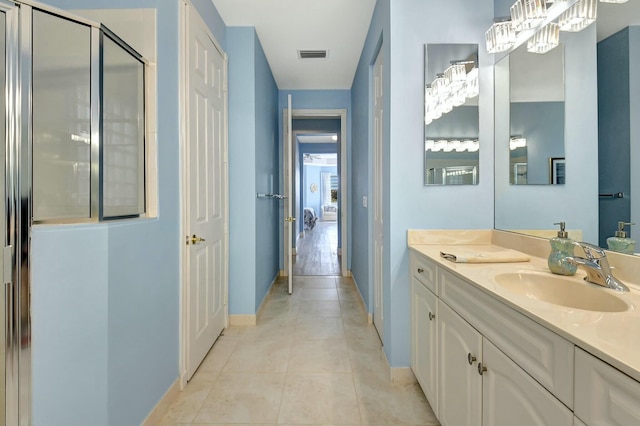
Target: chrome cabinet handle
481, 368
470, 358
431, 316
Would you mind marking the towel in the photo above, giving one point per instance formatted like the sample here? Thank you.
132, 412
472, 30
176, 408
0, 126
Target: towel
475, 256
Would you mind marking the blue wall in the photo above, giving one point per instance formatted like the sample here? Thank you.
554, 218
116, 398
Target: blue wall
119, 281
242, 181
267, 174
253, 167
542, 141
313, 174
407, 25
362, 146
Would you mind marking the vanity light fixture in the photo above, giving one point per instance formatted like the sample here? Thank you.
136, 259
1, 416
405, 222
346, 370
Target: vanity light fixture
517, 142
579, 16
501, 36
449, 145
545, 39
528, 14
613, 1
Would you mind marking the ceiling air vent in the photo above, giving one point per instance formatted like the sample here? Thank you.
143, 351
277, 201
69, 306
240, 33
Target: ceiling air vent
312, 54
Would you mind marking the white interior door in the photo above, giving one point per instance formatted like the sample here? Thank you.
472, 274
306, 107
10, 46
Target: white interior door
288, 193
378, 230
206, 173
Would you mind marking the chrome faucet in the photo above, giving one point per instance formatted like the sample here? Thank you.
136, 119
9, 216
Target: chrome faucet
597, 267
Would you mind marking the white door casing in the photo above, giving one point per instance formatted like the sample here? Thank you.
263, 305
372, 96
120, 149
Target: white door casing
378, 223
206, 209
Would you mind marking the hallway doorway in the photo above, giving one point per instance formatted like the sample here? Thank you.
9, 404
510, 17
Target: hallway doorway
318, 186
319, 249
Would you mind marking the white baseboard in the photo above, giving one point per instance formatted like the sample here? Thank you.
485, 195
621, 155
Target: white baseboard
155, 416
242, 320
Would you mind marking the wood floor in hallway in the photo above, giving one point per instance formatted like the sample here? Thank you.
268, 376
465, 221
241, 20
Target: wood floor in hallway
317, 251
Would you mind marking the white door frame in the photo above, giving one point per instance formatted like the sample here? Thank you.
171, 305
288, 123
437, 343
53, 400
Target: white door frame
183, 34
342, 115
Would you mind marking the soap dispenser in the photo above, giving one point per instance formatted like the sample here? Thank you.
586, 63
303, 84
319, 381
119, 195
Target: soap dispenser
561, 248
620, 242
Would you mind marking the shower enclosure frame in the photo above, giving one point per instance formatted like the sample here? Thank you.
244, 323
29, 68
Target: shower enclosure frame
19, 185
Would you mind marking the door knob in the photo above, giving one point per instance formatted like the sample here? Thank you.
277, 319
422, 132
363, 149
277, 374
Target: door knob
431, 316
420, 270
194, 239
481, 368
470, 358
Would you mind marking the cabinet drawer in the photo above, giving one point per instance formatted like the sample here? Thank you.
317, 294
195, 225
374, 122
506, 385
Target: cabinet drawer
544, 355
604, 395
425, 271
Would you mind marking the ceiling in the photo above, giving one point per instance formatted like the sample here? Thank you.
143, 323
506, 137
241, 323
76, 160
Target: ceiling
286, 26
614, 17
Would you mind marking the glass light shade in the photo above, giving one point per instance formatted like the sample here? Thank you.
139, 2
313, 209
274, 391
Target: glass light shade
456, 75
613, 1
471, 145
459, 97
517, 15
440, 87
579, 16
500, 37
473, 83
545, 39
517, 142
535, 11
440, 145
429, 145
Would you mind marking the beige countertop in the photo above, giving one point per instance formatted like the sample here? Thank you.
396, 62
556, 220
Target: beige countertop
612, 337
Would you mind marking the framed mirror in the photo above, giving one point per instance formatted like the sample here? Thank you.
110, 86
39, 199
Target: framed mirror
451, 144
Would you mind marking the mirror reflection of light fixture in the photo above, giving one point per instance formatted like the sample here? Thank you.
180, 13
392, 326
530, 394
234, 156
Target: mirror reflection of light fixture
450, 89
517, 142
528, 14
579, 16
454, 144
545, 39
613, 1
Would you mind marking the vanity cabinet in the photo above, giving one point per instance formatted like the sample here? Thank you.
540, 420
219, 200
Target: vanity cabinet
604, 395
460, 385
480, 385
494, 366
424, 311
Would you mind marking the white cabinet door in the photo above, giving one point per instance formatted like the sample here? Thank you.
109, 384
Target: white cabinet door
577, 422
604, 395
424, 340
460, 385
511, 397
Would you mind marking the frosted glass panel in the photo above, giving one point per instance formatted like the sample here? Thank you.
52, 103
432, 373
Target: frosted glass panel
123, 132
61, 118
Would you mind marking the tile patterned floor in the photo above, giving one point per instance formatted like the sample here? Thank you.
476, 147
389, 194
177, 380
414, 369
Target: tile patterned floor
311, 360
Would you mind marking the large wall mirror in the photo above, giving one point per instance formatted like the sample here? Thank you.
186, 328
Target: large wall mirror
451, 145
567, 130
602, 136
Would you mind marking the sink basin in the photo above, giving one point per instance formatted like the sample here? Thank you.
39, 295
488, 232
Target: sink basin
562, 291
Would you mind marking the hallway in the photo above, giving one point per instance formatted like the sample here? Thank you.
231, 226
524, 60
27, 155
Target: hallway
317, 251
312, 359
